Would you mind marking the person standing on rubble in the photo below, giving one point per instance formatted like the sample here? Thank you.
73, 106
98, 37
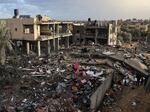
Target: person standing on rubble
138, 77
126, 81
135, 81
142, 80
135, 50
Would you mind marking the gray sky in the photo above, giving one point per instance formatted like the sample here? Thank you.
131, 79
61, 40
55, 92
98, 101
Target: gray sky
78, 9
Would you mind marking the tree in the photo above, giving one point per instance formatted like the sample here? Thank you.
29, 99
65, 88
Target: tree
120, 40
127, 37
5, 41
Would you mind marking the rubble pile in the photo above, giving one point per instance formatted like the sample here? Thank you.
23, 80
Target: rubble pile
81, 84
51, 84
65, 82
124, 76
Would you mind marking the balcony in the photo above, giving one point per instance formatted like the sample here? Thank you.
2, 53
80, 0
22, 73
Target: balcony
54, 35
46, 32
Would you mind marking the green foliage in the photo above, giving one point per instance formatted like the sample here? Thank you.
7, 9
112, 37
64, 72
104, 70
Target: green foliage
127, 37
120, 40
5, 41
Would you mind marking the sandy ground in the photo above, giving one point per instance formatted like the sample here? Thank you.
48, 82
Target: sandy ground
125, 102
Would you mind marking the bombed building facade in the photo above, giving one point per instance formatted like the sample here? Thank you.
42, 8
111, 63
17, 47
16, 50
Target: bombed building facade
32, 33
41, 34
99, 32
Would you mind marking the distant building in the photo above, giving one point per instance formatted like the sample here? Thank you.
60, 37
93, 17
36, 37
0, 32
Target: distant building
138, 26
101, 32
135, 24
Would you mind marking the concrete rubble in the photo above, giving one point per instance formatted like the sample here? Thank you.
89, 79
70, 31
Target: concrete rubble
66, 80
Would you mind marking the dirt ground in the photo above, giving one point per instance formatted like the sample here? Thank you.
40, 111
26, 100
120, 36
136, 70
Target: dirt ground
132, 100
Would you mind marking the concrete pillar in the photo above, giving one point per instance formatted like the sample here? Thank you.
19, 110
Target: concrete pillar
48, 46
28, 47
57, 43
67, 42
54, 35
39, 48
31, 46
54, 46
96, 35
58, 29
109, 34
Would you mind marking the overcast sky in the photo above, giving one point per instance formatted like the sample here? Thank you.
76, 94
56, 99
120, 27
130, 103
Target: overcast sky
78, 9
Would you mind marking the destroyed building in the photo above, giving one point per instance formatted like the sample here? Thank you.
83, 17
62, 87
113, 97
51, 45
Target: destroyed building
75, 79
72, 80
99, 32
39, 33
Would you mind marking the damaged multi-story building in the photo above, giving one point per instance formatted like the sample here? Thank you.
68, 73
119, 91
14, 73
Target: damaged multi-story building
101, 32
39, 33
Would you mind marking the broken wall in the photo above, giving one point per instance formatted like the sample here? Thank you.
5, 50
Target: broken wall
98, 95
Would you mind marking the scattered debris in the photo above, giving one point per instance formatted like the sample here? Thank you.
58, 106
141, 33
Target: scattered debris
57, 83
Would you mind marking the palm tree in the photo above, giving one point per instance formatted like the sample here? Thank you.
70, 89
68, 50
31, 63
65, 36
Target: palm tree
5, 41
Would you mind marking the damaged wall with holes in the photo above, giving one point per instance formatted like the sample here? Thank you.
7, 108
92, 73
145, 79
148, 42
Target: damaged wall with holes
99, 32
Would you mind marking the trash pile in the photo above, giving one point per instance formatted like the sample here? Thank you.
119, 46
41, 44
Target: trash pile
81, 84
131, 77
49, 85
62, 83
124, 76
